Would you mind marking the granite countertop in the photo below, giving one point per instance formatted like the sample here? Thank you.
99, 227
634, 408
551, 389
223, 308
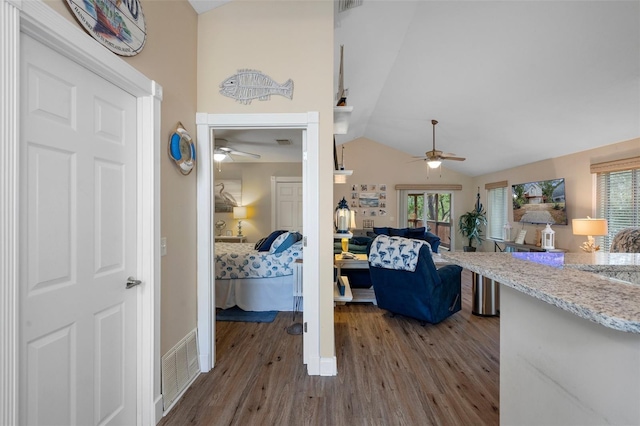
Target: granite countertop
606, 301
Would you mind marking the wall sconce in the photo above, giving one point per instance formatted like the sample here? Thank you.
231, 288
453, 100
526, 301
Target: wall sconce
589, 227
240, 213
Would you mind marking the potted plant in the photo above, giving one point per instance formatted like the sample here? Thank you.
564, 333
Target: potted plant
470, 225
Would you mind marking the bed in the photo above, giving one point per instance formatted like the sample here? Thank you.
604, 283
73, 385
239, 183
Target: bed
257, 280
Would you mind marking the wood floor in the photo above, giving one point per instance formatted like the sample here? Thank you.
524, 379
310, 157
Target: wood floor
391, 371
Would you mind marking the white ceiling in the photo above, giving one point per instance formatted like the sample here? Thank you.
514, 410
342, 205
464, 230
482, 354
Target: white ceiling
510, 82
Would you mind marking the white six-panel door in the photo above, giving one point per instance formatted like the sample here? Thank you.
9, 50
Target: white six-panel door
288, 206
78, 244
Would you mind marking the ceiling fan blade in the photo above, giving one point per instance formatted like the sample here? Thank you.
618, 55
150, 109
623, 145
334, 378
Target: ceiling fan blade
244, 154
454, 158
229, 151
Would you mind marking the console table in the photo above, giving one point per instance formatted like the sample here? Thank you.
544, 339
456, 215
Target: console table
510, 246
360, 262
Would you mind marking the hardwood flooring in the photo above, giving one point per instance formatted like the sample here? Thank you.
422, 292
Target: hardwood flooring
391, 371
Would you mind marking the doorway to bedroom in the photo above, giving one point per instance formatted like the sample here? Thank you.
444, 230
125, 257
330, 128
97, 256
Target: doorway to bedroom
257, 190
256, 219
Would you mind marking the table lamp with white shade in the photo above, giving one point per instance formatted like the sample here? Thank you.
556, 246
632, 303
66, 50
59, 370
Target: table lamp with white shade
590, 227
240, 213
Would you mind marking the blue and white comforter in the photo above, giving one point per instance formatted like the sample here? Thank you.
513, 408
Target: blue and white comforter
235, 260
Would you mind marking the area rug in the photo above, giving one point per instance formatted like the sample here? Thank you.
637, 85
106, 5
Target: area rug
237, 314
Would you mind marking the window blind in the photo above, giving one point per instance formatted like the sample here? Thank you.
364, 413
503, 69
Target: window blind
497, 211
618, 201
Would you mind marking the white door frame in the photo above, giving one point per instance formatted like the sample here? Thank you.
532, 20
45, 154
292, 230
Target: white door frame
309, 124
35, 18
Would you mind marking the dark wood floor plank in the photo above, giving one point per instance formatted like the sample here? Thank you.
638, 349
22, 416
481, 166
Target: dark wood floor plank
391, 371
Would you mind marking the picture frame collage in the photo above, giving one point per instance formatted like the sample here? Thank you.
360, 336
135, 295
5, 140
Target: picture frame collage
368, 199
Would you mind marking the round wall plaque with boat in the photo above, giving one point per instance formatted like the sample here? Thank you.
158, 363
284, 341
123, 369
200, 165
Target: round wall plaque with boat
117, 24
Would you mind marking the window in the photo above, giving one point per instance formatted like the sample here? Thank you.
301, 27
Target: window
618, 201
430, 206
415, 210
497, 215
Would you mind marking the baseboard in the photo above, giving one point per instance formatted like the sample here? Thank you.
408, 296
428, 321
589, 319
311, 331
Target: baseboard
328, 366
157, 404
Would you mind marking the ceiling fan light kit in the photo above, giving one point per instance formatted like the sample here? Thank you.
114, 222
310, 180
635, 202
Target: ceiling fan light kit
435, 157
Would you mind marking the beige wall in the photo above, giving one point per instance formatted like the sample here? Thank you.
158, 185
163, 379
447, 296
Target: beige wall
169, 58
372, 162
578, 184
285, 40
256, 194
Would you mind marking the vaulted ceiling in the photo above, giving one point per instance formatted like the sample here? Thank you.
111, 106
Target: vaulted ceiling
510, 82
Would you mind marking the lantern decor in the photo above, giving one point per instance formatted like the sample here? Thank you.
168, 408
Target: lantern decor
548, 238
506, 232
342, 218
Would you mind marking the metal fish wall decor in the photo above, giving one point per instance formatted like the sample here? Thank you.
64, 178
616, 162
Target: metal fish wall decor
248, 85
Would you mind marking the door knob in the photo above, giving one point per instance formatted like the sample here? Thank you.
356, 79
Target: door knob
132, 282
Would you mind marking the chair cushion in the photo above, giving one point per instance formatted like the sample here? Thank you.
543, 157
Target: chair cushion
395, 253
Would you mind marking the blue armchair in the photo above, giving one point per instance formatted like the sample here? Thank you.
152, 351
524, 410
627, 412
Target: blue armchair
427, 294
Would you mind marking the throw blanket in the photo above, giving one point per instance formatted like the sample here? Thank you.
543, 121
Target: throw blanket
395, 253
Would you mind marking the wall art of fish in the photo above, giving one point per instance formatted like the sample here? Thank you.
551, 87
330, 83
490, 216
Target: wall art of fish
247, 85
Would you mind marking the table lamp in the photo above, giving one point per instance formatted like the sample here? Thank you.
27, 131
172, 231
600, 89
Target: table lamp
352, 225
589, 227
240, 213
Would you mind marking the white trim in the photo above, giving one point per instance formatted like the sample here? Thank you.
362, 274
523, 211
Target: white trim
274, 181
39, 21
309, 124
9, 213
328, 366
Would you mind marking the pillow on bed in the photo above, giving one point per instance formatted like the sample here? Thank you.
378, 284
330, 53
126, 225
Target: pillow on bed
284, 241
259, 243
268, 241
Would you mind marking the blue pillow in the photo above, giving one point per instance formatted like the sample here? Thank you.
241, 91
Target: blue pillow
416, 232
381, 231
433, 240
398, 232
259, 243
266, 244
290, 240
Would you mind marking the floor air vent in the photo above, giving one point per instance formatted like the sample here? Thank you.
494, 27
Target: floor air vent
179, 368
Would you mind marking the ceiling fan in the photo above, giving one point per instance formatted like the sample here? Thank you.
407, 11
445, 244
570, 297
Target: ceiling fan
435, 157
221, 152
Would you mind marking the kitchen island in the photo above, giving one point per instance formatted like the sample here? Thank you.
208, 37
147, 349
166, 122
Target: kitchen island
569, 335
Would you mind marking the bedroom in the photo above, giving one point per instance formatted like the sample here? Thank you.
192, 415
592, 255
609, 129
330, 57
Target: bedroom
270, 190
